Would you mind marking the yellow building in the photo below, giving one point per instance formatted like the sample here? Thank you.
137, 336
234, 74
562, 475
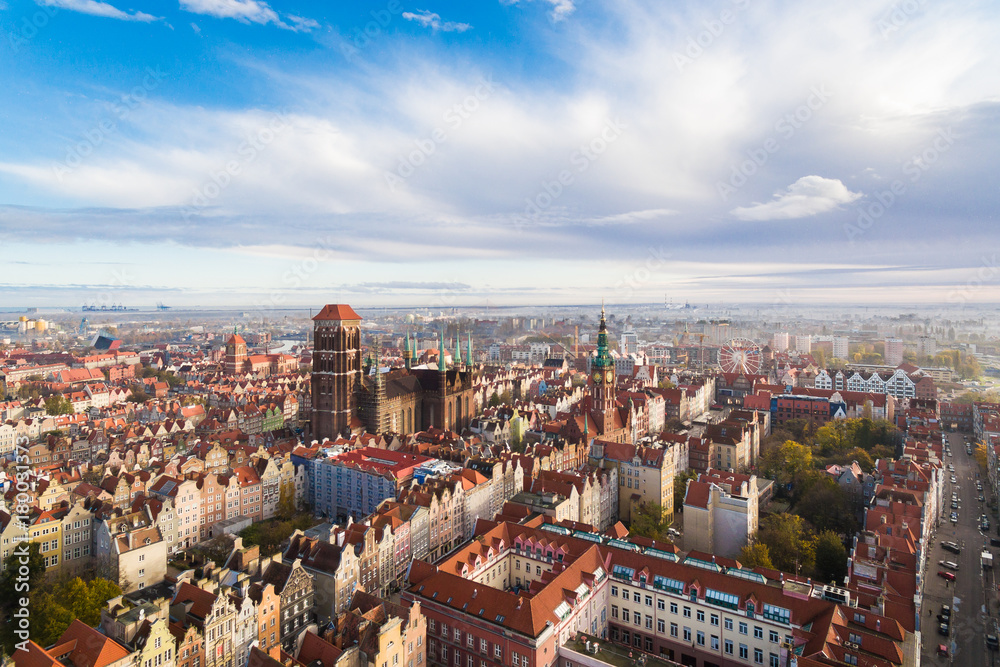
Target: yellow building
45, 528
645, 475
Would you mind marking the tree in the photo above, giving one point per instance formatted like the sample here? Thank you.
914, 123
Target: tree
680, 486
980, 454
826, 506
650, 520
790, 541
494, 400
286, 501
138, 395
506, 398
831, 558
863, 458
756, 555
58, 405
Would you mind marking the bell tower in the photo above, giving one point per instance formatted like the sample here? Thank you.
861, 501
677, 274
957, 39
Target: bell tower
602, 375
336, 369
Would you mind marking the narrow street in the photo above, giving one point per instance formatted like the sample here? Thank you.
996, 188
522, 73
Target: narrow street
973, 595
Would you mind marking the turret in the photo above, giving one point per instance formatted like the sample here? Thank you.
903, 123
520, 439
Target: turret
407, 352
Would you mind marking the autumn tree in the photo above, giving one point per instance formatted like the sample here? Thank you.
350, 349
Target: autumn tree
58, 405
790, 542
756, 555
680, 486
650, 520
286, 501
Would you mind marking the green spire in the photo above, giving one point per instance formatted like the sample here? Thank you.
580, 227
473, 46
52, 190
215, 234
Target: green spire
468, 350
603, 360
441, 364
458, 350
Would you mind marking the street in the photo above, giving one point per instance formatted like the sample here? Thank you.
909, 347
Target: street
973, 594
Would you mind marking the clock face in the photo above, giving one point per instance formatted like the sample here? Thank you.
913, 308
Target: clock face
609, 377
597, 376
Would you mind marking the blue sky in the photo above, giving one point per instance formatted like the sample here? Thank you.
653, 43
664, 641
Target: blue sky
237, 152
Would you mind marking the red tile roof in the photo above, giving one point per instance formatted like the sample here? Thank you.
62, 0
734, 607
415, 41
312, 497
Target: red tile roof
339, 311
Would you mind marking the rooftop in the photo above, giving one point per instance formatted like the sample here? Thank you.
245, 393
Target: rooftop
610, 654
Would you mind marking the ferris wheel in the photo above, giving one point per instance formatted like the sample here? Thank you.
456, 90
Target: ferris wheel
740, 355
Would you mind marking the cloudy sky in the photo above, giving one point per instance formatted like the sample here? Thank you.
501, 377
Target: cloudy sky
210, 152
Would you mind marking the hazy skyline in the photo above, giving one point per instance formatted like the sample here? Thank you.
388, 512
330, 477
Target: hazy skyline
209, 152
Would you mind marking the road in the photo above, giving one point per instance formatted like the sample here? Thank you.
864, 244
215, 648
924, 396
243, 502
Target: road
973, 594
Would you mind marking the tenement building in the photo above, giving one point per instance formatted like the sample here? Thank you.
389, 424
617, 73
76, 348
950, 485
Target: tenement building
526, 595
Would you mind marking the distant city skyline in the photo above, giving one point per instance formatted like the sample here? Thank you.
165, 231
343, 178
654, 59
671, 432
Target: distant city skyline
253, 154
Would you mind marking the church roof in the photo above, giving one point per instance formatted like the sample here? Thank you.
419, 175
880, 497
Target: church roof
337, 311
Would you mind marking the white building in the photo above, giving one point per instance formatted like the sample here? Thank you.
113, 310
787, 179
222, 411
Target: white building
893, 351
841, 345
803, 344
779, 342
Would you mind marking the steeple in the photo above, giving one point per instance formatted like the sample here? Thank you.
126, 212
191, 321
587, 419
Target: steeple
458, 350
407, 352
442, 366
468, 351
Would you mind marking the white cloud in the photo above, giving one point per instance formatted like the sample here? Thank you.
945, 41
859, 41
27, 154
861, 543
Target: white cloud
433, 21
808, 196
95, 8
560, 8
247, 11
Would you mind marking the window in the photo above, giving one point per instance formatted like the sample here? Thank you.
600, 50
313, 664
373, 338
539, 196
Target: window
687, 634
850, 659
728, 646
660, 625
458, 636
758, 632
661, 604
625, 615
673, 607
687, 612
728, 624
497, 651
744, 652
773, 662
715, 642
649, 622
470, 640
744, 628
483, 645
773, 637
649, 600
700, 638
701, 616
758, 656
673, 629
614, 611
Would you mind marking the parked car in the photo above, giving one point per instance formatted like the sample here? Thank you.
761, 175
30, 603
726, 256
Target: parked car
994, 542
951, 565
942, 650
992, 642
944, 629
950, 576
953, 547
954, 517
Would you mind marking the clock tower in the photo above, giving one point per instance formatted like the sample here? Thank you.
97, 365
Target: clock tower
602, 376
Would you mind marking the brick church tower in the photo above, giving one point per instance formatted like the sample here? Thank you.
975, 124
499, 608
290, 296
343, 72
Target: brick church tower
336, 369
236, 354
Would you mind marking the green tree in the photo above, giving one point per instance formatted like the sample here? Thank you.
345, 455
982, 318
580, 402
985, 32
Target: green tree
286, 501
494, 400
506, 398
790, 541
831, 558
650, 520
863, 458
826, 506
680, 486
58, 405
756, 555
139, 394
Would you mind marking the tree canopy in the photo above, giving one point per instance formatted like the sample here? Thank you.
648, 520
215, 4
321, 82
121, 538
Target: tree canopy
650, 520
831, 558
790, 542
